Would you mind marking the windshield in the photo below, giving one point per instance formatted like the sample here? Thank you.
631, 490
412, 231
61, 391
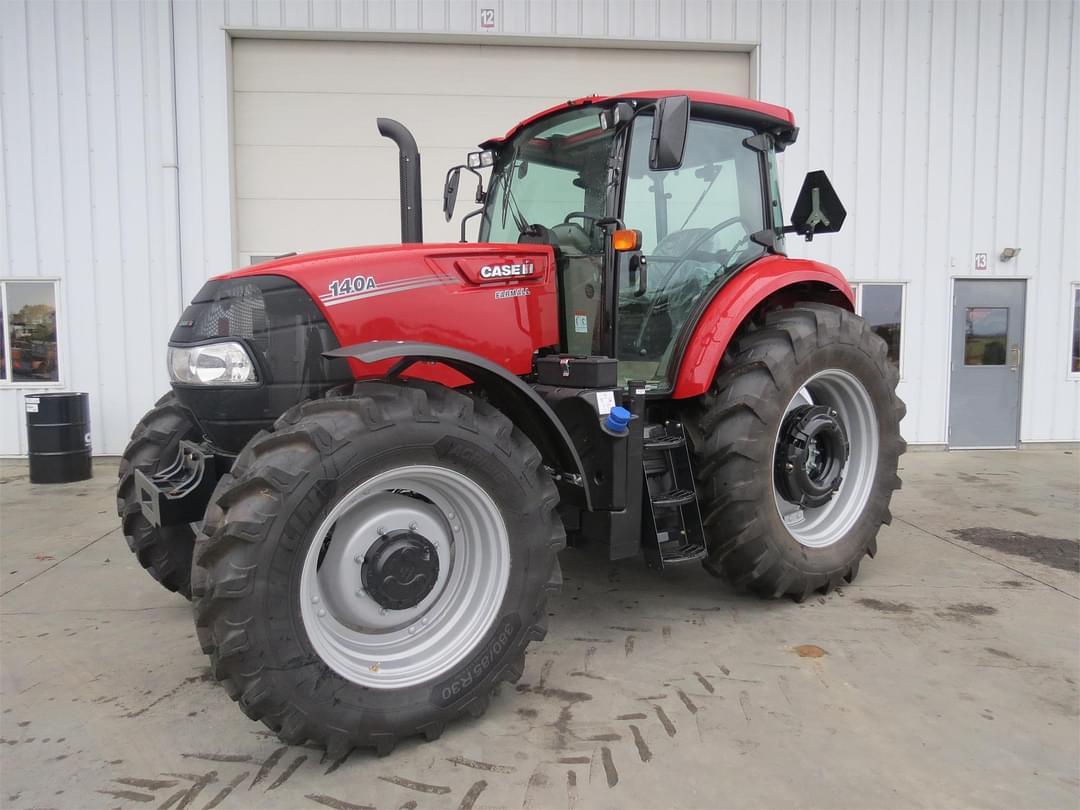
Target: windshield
552, 174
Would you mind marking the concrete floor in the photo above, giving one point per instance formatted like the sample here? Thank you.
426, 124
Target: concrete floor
946, 676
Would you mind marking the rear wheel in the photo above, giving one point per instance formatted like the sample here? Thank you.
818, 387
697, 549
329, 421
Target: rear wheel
796, 452
165, 551
374, 566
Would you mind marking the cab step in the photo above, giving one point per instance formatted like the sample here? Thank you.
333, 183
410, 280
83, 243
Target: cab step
671, 531
673, 553
665, 443
677, 497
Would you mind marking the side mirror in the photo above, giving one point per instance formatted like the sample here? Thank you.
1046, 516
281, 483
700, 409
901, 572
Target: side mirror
668, 142
818, 209
449, 194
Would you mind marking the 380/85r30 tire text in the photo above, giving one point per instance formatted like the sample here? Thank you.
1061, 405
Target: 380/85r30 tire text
376, 564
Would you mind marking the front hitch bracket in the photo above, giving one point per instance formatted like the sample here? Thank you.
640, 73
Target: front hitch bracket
179, 493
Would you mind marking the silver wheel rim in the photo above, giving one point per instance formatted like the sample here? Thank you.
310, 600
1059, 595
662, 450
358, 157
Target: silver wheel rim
824, 525
390, 649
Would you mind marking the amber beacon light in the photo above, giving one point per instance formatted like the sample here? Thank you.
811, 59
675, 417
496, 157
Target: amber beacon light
626, 239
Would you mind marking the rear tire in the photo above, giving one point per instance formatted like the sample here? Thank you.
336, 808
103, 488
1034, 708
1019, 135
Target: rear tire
165, 552
270, 549
818, 355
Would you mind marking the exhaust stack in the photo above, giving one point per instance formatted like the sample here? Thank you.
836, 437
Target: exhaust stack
412, 223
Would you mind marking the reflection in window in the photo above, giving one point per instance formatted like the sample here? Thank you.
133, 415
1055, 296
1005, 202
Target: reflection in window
985, 335
1074, 364
882, 307
30, 326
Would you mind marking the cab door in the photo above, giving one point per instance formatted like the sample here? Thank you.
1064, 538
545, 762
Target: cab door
696, 222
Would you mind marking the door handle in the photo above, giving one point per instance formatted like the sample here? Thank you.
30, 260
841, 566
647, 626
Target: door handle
1017, 356
642, 267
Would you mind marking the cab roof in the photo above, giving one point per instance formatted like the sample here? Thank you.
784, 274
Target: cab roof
767, 115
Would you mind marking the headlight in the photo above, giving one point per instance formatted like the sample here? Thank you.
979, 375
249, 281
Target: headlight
226, 363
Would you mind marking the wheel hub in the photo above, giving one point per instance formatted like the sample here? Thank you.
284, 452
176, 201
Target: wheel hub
404, 576
810, 455
400, 569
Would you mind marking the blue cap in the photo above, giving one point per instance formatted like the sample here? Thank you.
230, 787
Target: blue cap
617, 419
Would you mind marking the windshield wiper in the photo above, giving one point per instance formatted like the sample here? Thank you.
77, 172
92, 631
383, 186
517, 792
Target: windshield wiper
508, 198
519, 218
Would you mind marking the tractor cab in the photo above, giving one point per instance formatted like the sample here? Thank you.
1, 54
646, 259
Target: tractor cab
693, 182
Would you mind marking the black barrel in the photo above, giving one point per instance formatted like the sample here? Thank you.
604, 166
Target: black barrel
58, 437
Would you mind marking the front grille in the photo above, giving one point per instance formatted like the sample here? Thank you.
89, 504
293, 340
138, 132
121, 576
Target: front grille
236, 311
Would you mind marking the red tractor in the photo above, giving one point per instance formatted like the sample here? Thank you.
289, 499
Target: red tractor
371, 457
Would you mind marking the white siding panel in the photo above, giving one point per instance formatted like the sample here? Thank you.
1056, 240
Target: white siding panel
15, 69
926, 368
948, 128
81, 143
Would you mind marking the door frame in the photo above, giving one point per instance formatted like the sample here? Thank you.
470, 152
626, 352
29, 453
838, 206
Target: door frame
950, 312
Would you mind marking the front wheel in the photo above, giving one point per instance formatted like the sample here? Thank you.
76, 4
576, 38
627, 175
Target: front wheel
164, 551
796, 451
374, 566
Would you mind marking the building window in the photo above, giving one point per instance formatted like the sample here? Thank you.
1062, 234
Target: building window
986, 332
882, 306
1074, 335
28, 354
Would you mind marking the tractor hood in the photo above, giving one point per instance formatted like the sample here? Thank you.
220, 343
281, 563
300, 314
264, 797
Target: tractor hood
497, 300
419, 285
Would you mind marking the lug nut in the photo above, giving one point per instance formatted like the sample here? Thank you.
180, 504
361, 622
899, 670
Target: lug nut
381, 530
315, 599
382, 611
357, 559
412, 526
359, 591
321, 613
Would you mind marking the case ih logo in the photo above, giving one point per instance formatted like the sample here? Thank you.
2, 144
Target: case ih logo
523, 268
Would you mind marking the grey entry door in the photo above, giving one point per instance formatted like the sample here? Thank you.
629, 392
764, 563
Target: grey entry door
987, 363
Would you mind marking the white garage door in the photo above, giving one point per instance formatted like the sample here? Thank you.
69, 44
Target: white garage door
312, 171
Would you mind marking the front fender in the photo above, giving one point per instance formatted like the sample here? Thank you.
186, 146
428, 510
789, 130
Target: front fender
508, 393
734, 302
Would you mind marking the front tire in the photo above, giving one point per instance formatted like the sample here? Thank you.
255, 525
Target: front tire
164, 551
780, 528
375, 565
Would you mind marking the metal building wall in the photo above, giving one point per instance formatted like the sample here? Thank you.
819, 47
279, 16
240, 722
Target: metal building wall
88, 191
944, 126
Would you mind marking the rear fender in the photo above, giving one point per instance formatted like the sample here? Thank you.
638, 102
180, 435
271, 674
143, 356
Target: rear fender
505, 391
770, 282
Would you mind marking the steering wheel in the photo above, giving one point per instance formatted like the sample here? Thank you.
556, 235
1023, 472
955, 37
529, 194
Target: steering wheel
588, 219
692, 253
